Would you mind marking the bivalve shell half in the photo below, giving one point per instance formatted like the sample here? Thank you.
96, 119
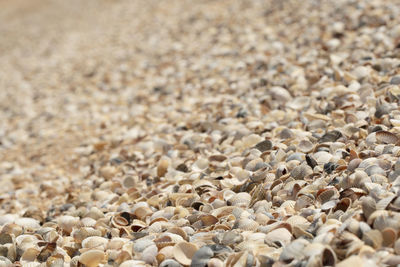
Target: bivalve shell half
385, 137
184, 251
92, 258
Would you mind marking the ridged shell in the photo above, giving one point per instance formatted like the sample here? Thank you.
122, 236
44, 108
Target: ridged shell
241, 199
247, 224
183, 252
386, 137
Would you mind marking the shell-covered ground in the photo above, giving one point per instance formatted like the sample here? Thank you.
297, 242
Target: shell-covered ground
199, 133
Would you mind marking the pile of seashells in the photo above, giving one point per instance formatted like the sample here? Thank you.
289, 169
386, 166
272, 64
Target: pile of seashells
238, 133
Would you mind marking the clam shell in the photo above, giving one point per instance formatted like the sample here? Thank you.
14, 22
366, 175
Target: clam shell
92, 258
300, 172
389, 236
368, 206
183, 252
67, 222
385, 137
135, 263
169, 263
281, 235
208, 220
305, 146
95, 242
241, 199
162, 167
247, 224
264, 145
373, 238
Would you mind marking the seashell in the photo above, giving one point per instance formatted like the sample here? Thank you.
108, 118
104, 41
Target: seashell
119, 221
215, 263
27, 223
5, 238
167, 239
264, 145
178, 231
137, 225
88, 222
322, 157
373, 238
305, 146
202, 256
294, 250
241, 199
129, 181
246, 224
142, 244
95, 242
303, 201
108, 172
343, 204
260, 174
219, 158
30, 254
244, 258
384, 202
80, 234
165, 253
208, 220
162, 167
142, 212
168, 263
300, 172
331, 136
392, 260
117, 243
368, 206
92, 258
389, 237
281, 235
149, 254
131, 263
67, 222
385, 137
200, 165
353, 164
327, 194
311, 161
183, 252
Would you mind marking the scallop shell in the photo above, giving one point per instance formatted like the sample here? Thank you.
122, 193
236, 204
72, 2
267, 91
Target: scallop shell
183, 252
